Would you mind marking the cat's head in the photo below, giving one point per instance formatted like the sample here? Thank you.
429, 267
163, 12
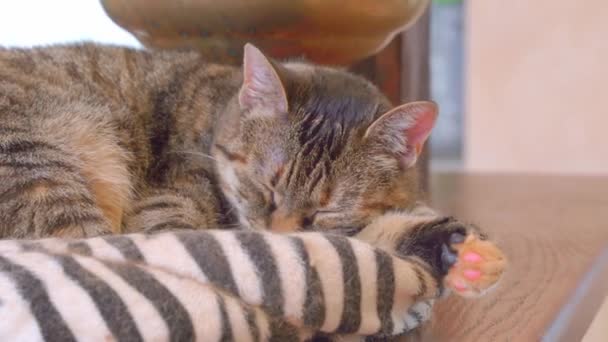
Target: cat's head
303, 146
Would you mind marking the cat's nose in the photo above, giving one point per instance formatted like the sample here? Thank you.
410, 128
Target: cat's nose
282, 221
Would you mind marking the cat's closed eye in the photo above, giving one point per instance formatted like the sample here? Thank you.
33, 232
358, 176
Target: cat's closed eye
319, 217
307, 221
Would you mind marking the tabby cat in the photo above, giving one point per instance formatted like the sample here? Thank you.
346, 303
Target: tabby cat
98, 140
101, 140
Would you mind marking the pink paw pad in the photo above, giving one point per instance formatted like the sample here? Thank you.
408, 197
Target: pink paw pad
472, 257
459, 285
472, 274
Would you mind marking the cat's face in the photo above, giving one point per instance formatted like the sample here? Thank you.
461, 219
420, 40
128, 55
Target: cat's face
306, 147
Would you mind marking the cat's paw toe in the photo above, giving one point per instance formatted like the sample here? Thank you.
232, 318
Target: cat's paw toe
414, 317
476, 265
418, 314
449, 256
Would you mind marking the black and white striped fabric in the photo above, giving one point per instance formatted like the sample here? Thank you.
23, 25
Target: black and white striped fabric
206, 286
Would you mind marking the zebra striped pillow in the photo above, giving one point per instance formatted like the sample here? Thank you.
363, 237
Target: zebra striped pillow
207, 286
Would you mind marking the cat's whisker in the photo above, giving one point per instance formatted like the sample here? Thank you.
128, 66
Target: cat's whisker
195, 153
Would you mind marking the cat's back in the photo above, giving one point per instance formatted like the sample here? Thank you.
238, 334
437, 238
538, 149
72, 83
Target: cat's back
131, 84
83, 126
88, 67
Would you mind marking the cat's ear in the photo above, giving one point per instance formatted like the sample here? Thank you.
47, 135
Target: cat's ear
262, 86
403, 130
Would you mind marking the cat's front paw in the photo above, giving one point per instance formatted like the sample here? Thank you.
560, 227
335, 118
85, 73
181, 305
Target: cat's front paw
460, 256
474, 264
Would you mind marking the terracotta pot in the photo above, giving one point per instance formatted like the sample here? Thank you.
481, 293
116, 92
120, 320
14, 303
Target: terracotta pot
324, 31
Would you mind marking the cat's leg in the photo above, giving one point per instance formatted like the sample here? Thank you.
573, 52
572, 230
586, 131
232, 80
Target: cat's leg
61, 175
191, 204
458, 255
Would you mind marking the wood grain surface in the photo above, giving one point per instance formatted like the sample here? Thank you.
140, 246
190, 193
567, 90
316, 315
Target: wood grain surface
554, 230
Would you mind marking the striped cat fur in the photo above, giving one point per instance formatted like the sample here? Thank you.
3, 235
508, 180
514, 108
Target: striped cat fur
207, 286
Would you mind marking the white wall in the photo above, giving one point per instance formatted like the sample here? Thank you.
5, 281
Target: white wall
36, 22
537, 86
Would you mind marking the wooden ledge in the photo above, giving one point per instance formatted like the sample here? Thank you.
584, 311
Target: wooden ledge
554, 230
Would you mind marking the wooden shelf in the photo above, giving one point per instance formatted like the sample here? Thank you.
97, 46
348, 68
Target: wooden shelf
554, 230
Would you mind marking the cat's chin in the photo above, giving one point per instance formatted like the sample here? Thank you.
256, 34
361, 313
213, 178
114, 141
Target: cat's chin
346, 231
